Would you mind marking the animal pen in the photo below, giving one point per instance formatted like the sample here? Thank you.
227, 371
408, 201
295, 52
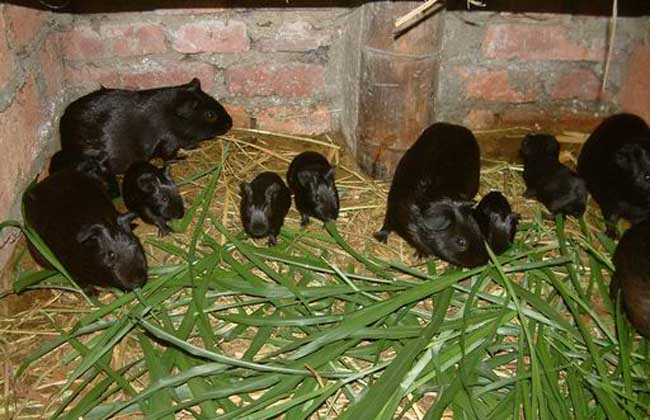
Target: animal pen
328, 323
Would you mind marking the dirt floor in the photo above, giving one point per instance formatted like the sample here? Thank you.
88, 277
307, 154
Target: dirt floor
31, 319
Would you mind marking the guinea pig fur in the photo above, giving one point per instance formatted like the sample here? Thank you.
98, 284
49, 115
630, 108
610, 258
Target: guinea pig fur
615, 164
497, 221
74, 216
265, 202
92, 163
151, 193
554, 185
137, 125
311, 181
632, 276
429, 202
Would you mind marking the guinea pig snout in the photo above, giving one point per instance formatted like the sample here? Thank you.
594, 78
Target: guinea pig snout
259, 224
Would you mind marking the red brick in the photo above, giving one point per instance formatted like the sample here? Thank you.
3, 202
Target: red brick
578, 83
24, 23
539, 42
240, 117
211, 36
7, 61
190, 11
291, 80
294, 36
295, 119
493, 85
52, 65
478, 119
635, 95
113, 41
19, 129
142, 75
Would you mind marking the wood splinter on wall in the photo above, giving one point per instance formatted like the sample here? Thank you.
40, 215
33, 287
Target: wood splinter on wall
422, 11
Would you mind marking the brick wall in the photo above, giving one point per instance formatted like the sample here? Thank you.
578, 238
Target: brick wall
273, 69
504, 70
31, 83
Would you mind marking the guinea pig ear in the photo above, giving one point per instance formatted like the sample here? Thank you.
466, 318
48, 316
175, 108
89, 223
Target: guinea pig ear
552, 146
329, 175
187, 107
305, 178
245, 190
90, 233
148, 182
195, 84
438, 221
167, 172
625, 155
271, 192
124, 220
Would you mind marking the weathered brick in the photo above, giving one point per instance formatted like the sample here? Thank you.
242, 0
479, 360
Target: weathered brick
240, 117
478, 119
294, 36
24, 23
52, 65
114, 40
291, 80
539, 42
494, 85
211, 36
577, 83
142, 75
7, 61
295, 119
635, 95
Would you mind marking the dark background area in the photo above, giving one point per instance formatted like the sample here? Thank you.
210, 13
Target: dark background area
579, 7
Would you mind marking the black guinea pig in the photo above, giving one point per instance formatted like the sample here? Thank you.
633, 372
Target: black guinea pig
615, 164
137, 125
74, 216
311, 181
632, 276
93, 164
547, 180
264, 204
497, 221
151, 193
429, 199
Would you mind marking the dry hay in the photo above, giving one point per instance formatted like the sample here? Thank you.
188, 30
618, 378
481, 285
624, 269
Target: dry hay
32, 319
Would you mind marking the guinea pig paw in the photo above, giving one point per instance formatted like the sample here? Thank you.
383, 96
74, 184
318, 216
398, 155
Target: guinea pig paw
381, 236
163, 230
304, 220
273, 240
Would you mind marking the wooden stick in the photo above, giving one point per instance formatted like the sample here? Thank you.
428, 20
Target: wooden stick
400, 22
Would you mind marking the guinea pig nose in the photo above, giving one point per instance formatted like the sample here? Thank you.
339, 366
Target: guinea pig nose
462, 242
258, 228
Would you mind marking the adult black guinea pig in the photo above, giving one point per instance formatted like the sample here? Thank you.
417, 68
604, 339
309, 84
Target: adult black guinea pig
75, 217
133, 125
264, 204
311, 180
497, 221
429, 199
615, 163
632, 276
151, 193
547, 180
92, 163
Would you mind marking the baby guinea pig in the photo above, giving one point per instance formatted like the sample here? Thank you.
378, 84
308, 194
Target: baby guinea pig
497, 221
557, 187
311, 180
632, 276
151, 193
264, 204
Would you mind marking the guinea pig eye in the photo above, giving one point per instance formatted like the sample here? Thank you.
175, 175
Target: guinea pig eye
462, 242
165, 198
210, 116
646, 177
111, 255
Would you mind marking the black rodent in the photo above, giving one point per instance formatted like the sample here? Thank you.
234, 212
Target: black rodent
497, 221
91, 163
632, 276
265, 202
74, 216
311, 180
137, 125
615, 164
547, 180
429, 202
152, 194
